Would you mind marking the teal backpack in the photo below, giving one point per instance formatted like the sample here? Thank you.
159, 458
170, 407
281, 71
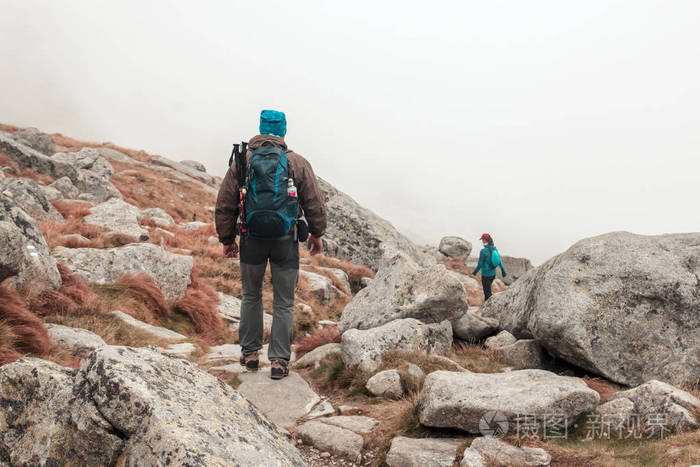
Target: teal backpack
494, 258
269, 211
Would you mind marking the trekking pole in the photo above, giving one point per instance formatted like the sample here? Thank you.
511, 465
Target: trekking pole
241, 178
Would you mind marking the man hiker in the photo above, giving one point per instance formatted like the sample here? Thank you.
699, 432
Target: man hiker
279, 187
489, 260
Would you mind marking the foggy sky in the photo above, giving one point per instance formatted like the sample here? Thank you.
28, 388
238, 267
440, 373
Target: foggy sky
541, 122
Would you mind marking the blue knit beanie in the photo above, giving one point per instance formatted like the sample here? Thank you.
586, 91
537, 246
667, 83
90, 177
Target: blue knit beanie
273, 123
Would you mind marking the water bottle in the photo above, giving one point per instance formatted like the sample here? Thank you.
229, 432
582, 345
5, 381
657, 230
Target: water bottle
291, 189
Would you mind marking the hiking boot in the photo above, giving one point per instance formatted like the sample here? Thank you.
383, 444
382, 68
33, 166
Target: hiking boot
279, 370
251, 362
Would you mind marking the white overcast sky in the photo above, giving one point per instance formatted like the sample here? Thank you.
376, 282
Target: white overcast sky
541, 122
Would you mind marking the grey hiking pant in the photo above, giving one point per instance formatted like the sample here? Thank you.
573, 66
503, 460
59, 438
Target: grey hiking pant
283, 255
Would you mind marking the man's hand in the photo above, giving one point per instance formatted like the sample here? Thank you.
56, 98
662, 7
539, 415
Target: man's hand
231, 251
315, 245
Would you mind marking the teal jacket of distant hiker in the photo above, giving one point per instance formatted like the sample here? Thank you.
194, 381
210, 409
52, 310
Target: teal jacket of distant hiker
484, 264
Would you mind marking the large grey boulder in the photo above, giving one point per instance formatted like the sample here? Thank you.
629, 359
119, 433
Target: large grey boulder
30, 197
488, 450
363, 349
117, 217
357, 234
460, 400
183, 168
422, 452
77, 341
619, 305
28, 158
525, 353
472, 326
23, 249
171, 272
501, 339
455, 247
148, 407
403, 289
332, 439
159, 216
515, 268
92, 173
655, 405
36, 139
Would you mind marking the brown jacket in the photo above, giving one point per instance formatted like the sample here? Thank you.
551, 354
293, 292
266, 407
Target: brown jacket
310, 198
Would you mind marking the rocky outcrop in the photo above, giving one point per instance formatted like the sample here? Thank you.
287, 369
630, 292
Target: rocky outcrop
363, 349
386, 383
159, 216
515, 268
37, 140
28, 158
614, 305
171, 272
65, 186
196, 165
655, 406
472, 326
92, 173
455, 247
186, 169
23, 250
419, 452
460, 400
140, 404
78, 341
357, 234
117, 217
321, 287
489, 450
403, 289
30, 197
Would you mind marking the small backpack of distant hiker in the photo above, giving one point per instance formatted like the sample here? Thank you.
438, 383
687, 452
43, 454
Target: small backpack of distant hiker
271, 208
494, 258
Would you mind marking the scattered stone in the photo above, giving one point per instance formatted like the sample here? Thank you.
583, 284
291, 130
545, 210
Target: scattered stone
652, 402
494, 450
471, 326
171, 272
459, 400
354, 423
113, 154
50, 192
322, 287
332, 439
165, 232
27, 158
23, 250
79, 341
139, 405
455, 247
348, 410
386, 383
157, 331
183, 350
193, 225
472, 458
35, 139
92, 173
314, 357
196, 165
159, 216
213, 241
501, 339
363, 349
117, 217
341, 275
183, 169
322, 409
420, 452
614, 305
282, 401
403, 289
415, 372
522, 354
30, 197
88, 197
66, 187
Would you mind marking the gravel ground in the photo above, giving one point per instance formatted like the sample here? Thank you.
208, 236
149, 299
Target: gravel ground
317, 458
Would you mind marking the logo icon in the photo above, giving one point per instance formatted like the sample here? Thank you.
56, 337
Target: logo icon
493, 423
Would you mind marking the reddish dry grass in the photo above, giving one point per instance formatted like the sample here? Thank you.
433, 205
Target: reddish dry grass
355, 272
71, 210
7, 162
54, 232
23, 329
200, 305
74, 297
143, 289
325, 335
73, 145
8, 128
40, 179
602, 387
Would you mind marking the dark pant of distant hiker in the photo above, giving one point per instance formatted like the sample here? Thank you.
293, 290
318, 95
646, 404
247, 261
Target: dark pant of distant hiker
283, 255
486, 282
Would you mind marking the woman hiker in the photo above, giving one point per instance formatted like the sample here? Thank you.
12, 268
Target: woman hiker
489, 260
